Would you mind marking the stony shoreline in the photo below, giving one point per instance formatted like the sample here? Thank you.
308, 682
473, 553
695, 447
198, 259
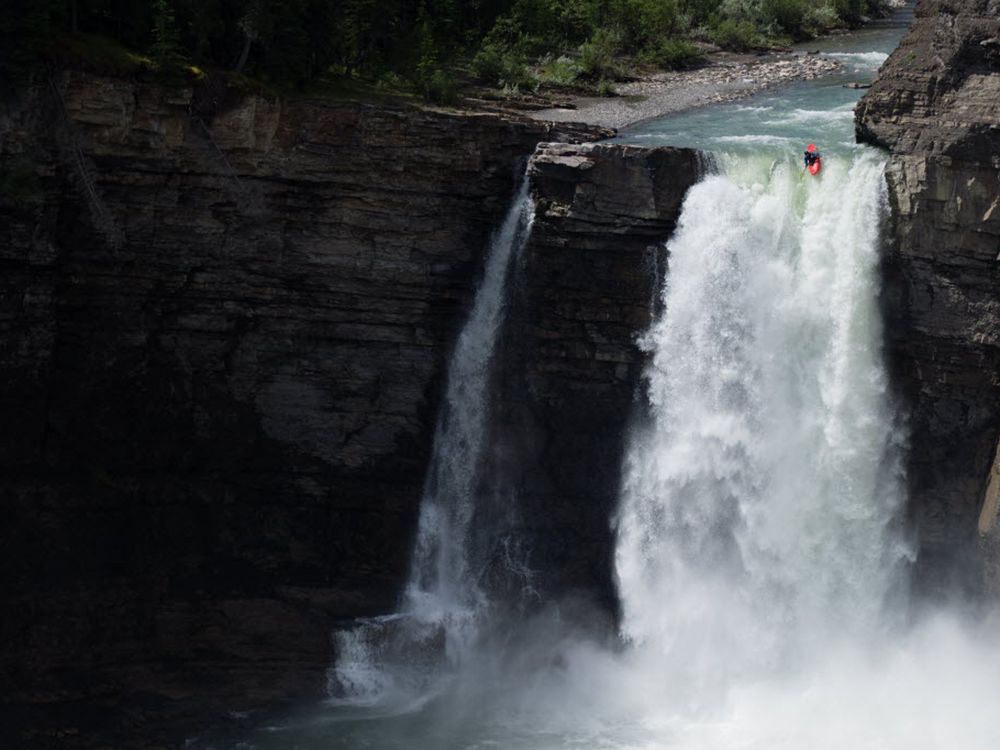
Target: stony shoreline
725, 78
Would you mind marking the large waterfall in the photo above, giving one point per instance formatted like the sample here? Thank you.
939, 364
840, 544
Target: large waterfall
757, 512
395, 657
761, 556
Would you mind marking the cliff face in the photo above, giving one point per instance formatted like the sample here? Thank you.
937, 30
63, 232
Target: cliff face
587, 285
226, 319
936, 106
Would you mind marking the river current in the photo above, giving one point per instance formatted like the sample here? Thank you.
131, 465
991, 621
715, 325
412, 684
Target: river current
761, 561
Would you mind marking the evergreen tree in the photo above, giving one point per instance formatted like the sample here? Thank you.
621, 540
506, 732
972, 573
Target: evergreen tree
256, 22
166, 48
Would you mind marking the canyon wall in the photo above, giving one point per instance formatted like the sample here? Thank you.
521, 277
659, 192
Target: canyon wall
226, 320
936, 107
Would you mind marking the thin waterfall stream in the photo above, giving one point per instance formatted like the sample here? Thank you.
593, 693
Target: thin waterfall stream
398, 657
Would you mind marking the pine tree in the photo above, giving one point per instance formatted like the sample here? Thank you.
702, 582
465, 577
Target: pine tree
166, 49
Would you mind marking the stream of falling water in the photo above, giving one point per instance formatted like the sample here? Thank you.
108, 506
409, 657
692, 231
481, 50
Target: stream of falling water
398, 658
758, 502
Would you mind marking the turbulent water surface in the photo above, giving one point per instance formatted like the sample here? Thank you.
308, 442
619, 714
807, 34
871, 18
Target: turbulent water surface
760, 558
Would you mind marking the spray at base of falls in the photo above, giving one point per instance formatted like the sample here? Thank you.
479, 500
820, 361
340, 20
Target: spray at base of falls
398, 656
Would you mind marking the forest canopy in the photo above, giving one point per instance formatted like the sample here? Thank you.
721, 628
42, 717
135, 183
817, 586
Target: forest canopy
423, 43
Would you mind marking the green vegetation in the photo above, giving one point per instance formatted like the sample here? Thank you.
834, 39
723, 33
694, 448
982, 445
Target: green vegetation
100, 54
428, 47
738, 36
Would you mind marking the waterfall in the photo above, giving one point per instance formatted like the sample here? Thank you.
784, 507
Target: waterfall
759, 496
758, 551
445, 600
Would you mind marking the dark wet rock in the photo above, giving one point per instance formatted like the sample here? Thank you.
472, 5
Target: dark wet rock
225, 322
936, 106
588, 285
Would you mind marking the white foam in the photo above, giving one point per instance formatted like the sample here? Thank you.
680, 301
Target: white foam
860, 60
755, 508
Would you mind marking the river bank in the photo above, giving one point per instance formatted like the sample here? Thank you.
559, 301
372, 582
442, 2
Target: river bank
844, 57
725, 78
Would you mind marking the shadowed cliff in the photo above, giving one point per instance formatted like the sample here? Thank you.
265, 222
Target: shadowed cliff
226, 321
936, 106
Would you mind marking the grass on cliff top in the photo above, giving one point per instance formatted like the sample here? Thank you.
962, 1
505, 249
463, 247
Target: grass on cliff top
105, 56
333, 88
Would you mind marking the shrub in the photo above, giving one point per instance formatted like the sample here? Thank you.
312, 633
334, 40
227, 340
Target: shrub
488, 64
561, 71
606, 88
389, 81
741, 10
440, 88
166, 48
597, 56
496, 66
672, 54
851, 11
739, 36
822, 18
699, 12
645, 22
788, 15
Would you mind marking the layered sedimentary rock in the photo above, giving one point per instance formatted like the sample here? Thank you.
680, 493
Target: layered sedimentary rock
225, 323
586, 287
936, 106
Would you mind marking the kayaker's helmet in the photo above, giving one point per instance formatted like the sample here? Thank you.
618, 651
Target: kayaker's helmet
811, 147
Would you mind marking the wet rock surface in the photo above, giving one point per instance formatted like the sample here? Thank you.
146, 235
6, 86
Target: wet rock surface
226, 319
587, 285
936, 106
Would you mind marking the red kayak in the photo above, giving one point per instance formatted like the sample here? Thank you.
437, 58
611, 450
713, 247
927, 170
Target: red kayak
814, 162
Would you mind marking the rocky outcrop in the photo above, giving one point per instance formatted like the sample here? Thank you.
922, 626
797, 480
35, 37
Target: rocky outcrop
586, 287
936, 106
225, 320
